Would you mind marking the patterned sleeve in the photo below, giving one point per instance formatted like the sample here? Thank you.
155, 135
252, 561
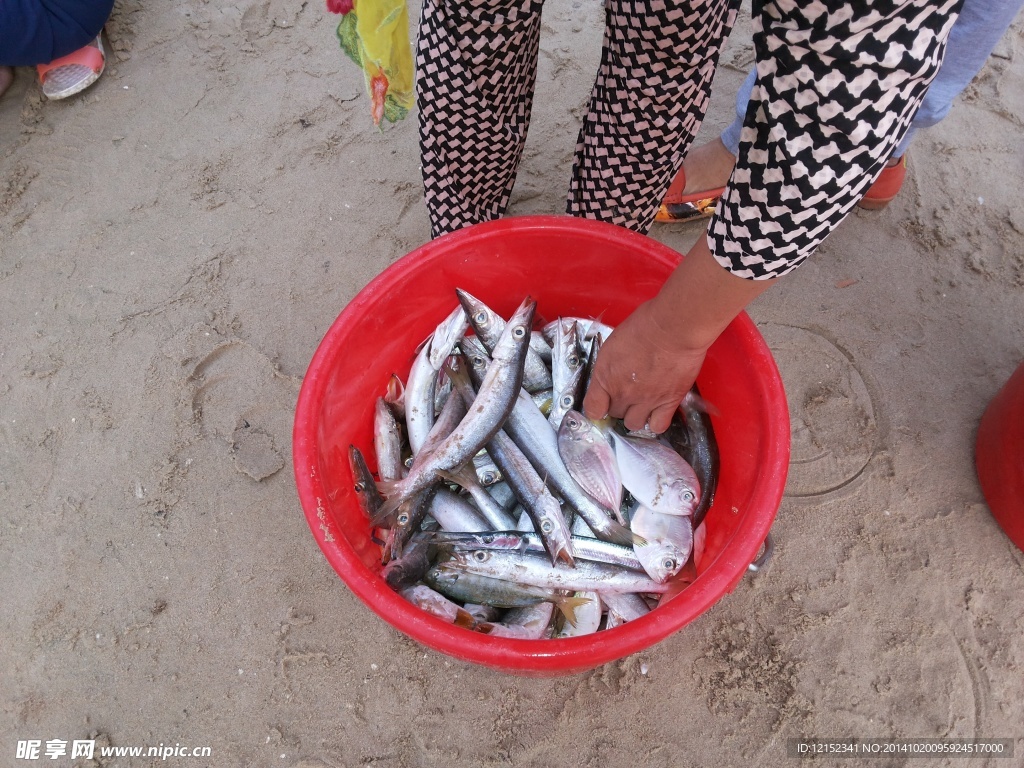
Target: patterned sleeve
838, 83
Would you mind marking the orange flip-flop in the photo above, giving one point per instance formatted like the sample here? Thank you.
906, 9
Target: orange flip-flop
75, 72
677, 207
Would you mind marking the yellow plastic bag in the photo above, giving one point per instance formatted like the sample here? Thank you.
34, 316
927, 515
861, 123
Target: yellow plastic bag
375, 35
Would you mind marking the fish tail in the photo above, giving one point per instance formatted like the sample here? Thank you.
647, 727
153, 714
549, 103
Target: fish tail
568, 606
464, 618
395, 390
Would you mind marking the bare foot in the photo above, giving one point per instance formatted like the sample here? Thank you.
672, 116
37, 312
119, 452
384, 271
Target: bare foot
708, 167
6, 78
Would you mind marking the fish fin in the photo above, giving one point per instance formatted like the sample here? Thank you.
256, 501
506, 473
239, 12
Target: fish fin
464, 618
424, 343
620, 534
568, 606
388, 488
395, 391
462, 476
387, 510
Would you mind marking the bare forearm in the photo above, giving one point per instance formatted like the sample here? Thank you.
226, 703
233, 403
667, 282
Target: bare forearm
699, 300
652, 359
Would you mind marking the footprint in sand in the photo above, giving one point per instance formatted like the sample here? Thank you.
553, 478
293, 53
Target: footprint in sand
832, 417
237, 394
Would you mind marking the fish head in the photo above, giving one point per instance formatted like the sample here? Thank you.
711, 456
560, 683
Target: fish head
661, 559
489, 477
476, 355
441, 577
687, 495
576, 427
520, 325
479, 314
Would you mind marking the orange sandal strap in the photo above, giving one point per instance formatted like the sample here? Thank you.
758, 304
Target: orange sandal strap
88, 57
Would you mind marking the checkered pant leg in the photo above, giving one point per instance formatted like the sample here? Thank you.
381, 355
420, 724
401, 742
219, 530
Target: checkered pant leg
476, 63
836, 91
650, 96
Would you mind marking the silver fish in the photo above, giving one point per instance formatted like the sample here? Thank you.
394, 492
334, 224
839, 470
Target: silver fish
588, 329
473, 588
590, 459
567, 367
669, 542
488, 325
530, 623
497, 395
486, 471
585, 576
692, 436
587, 548
454, 513
540, 346
656, 476
528, 487
412, 565
370, 500
588, 617
442, 342
625, 606
533, 435
495, 515
387, 442
451, 416
436, 604
421, 387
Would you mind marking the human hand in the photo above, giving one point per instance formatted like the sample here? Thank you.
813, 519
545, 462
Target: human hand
642, 373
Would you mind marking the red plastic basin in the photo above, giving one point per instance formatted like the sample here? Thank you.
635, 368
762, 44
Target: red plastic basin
571, 267
999, 457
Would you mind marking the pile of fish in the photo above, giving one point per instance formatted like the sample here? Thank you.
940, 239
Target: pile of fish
500, 507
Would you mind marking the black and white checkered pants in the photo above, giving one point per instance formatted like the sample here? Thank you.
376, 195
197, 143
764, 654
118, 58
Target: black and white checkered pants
838, 83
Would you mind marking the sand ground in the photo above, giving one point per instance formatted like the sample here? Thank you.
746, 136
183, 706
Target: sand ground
175, 242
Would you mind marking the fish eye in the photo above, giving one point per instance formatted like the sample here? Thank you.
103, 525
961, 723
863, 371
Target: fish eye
360, 487
478, 362
688, 496
408, 463
480, 556
669, 563
403, 518
547, 526
518, 332
567, 402
480, 318
573, 423
573, 361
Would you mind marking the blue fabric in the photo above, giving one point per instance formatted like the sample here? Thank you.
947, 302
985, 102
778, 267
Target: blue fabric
39, 31
975, 34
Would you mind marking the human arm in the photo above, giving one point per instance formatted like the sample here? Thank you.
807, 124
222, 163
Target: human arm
652, 358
